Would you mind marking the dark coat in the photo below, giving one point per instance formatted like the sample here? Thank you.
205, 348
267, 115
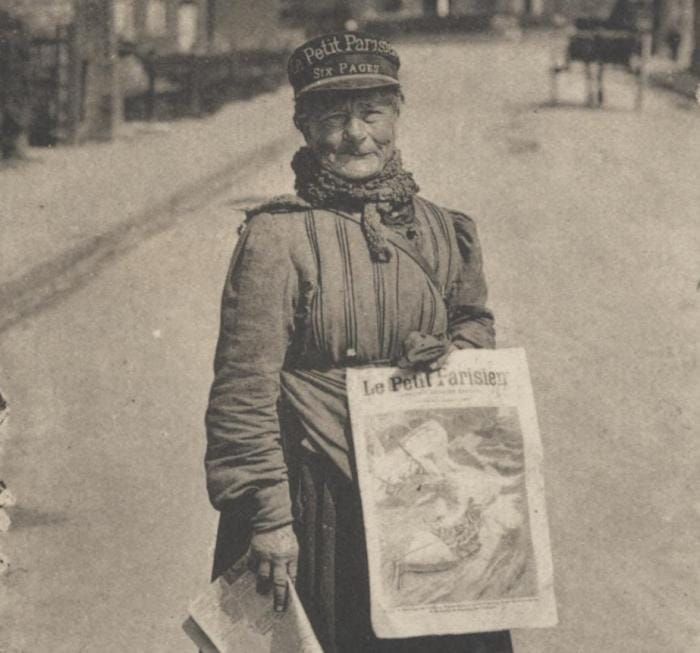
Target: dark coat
302, 301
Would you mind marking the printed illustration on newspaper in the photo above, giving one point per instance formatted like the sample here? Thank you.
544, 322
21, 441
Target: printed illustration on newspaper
449, 469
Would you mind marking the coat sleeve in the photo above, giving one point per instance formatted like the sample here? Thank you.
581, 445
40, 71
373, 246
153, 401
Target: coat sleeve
470, 322
244, 457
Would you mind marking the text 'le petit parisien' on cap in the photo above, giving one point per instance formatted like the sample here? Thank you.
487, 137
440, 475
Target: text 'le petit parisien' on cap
316, 50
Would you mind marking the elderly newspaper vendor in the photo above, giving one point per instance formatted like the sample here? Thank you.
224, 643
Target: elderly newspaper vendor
356, 268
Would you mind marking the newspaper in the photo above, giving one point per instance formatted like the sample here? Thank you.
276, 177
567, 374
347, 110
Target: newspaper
449, 469
231, 616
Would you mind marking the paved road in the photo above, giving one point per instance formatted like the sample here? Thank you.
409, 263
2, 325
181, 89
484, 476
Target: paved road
589, 223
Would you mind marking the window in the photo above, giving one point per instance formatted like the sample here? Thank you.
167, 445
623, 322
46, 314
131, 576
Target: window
124, 19
187, 24
156, 22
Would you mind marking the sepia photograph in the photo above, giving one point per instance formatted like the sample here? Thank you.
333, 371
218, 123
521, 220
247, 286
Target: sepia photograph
308, 308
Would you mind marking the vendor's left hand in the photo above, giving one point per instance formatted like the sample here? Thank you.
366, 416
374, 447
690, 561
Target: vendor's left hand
273, 555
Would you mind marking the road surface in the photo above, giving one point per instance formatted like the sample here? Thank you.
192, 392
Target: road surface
589, 224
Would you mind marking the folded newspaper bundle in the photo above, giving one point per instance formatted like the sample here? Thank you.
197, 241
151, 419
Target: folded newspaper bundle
231, 616
449, 470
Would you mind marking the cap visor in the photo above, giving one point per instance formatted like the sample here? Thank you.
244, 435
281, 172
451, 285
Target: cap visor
350, 82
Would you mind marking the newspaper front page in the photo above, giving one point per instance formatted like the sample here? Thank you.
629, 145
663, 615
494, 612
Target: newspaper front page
449, 468
231, 616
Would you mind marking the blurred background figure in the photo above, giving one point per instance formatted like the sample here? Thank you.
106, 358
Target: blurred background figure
674, 28
14, 85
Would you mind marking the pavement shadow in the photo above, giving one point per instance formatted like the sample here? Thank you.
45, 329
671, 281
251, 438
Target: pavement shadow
569, 105
521, 145
23, 517
19, 162
246, 201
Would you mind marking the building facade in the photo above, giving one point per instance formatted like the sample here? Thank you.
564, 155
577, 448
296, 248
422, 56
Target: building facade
368, 9
163, 26
235, 25
73, 95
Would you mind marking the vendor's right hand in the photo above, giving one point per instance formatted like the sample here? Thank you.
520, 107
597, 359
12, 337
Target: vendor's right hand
273, 555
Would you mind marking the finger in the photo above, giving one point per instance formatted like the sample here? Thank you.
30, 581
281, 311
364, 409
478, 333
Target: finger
279, 585
440, 362
264, 570
264, 582
292, 571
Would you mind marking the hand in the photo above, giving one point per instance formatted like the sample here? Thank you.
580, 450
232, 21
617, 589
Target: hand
439, 363
273, 555
425, 352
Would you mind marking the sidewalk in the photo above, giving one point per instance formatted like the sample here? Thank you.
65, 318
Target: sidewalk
69, 209
665, 73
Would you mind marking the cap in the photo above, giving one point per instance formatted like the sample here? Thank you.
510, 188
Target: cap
344, 60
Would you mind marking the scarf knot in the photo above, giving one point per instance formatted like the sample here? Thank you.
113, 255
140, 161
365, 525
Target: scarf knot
386, 199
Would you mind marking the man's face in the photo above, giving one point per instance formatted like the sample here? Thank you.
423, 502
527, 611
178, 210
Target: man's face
353, 135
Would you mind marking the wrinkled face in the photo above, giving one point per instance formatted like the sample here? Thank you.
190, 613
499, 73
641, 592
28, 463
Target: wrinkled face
352, 134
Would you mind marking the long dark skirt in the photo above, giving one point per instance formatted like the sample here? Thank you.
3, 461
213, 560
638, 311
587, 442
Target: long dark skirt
333, 579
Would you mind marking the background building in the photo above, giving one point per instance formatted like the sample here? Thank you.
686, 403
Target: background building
162, 25
72, 69
249, 25
89, 56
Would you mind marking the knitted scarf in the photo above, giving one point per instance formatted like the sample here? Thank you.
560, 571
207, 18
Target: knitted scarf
383, 200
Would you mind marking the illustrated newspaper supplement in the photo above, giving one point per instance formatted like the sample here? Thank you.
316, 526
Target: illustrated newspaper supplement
449, 466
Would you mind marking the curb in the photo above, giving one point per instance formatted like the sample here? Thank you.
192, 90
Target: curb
49, 281
681, 82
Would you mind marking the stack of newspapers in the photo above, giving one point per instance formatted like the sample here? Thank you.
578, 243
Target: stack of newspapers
231, 616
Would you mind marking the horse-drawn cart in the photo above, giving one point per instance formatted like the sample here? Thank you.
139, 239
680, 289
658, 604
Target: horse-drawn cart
623, 39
